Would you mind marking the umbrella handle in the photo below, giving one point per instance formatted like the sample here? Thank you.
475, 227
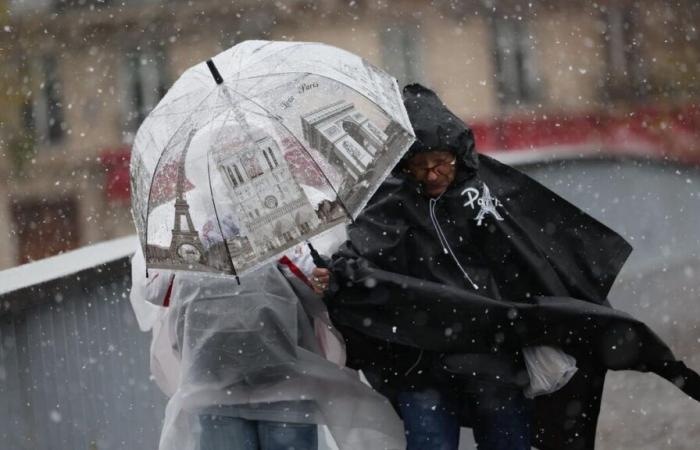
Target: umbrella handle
316, 257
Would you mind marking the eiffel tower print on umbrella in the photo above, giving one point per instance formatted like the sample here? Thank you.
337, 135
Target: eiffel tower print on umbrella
186, 248
185, 244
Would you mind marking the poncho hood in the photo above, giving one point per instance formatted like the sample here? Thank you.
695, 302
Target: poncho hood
437, 128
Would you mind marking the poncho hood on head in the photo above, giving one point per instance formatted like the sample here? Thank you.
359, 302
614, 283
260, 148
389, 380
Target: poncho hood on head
436, 127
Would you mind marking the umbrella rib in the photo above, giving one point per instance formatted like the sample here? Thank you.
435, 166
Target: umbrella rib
317, 75
275, 53
284, 59
216, 211
218, 222
271, 115
255, 93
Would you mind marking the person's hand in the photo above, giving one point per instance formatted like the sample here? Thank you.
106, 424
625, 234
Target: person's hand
320, 279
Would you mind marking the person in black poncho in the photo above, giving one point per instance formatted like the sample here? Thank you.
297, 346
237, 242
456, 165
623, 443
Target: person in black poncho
459, 262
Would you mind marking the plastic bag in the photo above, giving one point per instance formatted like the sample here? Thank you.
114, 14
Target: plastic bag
549, 369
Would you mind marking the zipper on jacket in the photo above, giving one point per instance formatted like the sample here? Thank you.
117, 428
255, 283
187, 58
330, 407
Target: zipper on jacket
443, 240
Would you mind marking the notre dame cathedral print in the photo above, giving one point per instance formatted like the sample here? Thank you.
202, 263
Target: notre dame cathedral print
273, 211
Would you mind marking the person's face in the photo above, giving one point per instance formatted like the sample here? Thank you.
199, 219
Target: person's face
435, 170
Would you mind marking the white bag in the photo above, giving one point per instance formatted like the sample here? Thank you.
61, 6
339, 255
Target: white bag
549, 369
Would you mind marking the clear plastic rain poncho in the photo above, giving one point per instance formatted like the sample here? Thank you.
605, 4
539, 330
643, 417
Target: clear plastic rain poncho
261, 350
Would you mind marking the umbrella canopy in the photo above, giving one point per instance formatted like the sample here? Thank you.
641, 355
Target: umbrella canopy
260, 148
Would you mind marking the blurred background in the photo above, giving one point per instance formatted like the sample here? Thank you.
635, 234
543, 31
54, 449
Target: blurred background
597, 100
77, 77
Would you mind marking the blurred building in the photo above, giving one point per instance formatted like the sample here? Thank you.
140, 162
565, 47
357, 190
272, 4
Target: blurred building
78, 76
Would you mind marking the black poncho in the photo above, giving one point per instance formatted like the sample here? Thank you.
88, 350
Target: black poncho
497, 263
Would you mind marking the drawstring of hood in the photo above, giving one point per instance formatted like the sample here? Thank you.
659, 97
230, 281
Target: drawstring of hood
443, 240
433, 219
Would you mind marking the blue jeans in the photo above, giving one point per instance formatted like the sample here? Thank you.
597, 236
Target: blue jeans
234, 433
500, 419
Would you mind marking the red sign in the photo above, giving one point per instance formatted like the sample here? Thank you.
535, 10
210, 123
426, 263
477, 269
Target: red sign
669, 132
665, 133
116, 165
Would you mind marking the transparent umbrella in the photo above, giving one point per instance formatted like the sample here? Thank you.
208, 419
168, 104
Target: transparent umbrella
260, 148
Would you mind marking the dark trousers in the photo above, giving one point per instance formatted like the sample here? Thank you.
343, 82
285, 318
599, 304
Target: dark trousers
234, 433
500, 418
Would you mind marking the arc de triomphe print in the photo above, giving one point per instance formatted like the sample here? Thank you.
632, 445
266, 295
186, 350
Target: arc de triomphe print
345, 137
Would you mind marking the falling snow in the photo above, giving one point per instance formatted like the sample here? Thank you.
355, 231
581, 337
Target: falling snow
596, 100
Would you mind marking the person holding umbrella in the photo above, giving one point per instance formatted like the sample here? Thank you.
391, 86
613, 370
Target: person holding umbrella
250, 154
235, 382
459, 266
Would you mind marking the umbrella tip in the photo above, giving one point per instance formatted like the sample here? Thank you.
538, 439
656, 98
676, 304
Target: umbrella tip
214, 72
